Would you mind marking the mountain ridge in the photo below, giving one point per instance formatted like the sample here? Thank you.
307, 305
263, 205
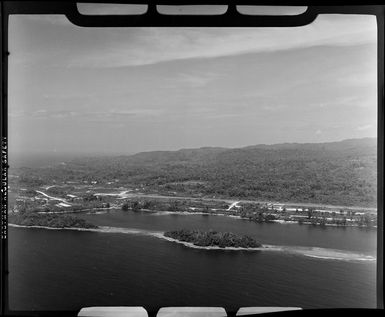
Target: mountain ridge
334, 173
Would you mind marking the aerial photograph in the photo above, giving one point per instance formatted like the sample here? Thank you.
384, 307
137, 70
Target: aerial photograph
192, 166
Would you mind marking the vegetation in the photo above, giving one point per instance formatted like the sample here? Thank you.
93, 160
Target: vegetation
213, 238
133, 205
337, 173
48, 220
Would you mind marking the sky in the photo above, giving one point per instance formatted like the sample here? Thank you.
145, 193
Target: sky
127, 90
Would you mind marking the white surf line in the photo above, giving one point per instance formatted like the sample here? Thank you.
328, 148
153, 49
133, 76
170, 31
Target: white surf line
191, 245
52, 198
330, 254
100, 229
97, 213
313, 252
48, 228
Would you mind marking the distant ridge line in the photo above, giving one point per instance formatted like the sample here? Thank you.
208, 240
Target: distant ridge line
260, 145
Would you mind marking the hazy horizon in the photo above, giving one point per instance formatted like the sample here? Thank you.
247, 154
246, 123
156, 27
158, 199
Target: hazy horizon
18, 155
129, 90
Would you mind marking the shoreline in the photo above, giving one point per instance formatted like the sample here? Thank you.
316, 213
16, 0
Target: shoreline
193, 246
278, 221
160, 235
52, 228
104, 229
96, 211
310, 252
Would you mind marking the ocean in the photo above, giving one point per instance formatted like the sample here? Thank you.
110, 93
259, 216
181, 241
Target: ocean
310, 266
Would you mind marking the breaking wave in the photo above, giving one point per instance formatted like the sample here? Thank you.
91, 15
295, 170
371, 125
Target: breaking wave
332, 254
312, 252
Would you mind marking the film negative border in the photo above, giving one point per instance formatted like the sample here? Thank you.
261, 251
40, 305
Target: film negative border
232, 18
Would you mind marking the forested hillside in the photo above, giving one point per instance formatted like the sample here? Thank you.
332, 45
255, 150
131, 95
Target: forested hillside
339, 173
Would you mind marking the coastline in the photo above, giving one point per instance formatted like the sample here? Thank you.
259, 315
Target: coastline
160, 235
266, 216
278, 221
311, 252
97, 211
53, 228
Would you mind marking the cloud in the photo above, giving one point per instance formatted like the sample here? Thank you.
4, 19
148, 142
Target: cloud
165, 44
364, 127
117, 47
274, 107
360, 101
88, 115
368, 78
196, 80
132, 112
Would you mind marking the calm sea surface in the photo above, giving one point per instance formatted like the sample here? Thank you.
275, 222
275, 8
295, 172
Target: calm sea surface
66, 270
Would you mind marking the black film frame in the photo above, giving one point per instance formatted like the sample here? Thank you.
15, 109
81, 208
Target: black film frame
231, 18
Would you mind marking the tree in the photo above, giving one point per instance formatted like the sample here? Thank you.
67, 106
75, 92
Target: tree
260, 217
367, 221
135, 206
269, 218
147, 204
90, 197
174, 206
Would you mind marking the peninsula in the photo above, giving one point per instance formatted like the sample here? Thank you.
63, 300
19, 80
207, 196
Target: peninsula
49, 220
